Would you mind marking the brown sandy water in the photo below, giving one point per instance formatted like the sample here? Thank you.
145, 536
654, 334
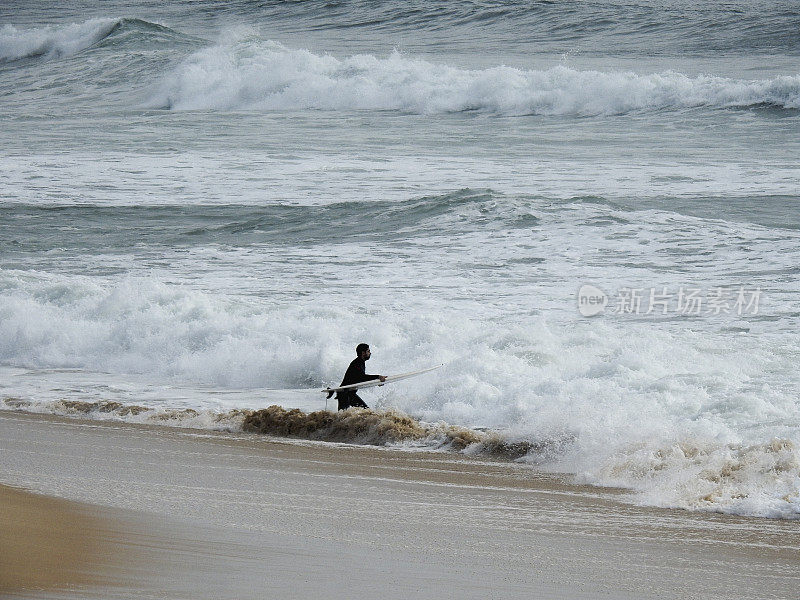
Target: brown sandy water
249, 516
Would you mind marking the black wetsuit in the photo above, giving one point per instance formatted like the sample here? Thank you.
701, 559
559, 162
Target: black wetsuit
355, 374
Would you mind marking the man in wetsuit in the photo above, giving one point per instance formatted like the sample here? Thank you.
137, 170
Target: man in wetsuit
356, 373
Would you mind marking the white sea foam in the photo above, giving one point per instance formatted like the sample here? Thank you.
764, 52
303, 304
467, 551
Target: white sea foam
248, 74
143, 326
52, 41
107, 177
759, 479
682, 418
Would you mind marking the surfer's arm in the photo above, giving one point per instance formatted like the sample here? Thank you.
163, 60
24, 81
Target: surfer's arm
363, 376
356, 373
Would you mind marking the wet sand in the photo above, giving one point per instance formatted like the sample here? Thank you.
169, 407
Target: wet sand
220, 515
47, 542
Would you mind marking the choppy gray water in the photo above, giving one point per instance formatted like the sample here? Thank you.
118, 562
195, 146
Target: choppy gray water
202, 200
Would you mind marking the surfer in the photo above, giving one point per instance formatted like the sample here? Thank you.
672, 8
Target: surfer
356, 373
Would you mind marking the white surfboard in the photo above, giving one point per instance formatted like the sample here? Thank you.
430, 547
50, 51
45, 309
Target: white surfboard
374, 382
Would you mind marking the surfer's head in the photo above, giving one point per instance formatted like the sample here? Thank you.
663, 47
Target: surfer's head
363, 351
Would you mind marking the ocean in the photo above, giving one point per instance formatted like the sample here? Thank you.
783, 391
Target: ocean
587, 210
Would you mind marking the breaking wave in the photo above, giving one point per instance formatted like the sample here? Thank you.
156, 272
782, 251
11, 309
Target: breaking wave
616, 413
250, 74
51, 41
56, 41
64, 40
747, 479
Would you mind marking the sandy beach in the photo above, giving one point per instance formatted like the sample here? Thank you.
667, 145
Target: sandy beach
574, 225
220, 515
48, 543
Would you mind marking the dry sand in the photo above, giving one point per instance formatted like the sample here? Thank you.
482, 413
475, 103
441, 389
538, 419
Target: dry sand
218, 515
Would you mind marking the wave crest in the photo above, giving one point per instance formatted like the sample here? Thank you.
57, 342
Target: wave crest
255, 75
52, 41
55, 41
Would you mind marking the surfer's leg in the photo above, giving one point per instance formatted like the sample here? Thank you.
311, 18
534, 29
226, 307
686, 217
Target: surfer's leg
346, 400
356, 401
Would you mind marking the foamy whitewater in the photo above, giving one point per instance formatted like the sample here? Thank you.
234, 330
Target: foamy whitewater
205, 206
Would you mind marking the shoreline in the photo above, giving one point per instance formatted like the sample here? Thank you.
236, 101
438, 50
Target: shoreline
326, 517
389, 430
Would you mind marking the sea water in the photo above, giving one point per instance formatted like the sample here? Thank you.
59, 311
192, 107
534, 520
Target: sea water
588, 210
